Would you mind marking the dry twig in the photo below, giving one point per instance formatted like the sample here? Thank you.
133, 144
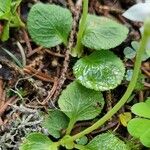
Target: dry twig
62, 78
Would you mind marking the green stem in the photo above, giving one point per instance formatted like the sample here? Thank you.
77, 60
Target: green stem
125, 97
70, 126
78, 50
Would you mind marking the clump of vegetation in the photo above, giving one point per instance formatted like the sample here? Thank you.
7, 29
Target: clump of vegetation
102, 70
9, 16
139, 127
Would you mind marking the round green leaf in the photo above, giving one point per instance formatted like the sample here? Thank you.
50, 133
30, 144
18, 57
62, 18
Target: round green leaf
82, 141
107, 141
49, 25
138, 126
129, 53
101, 71
103, 33
135, 45
145, 138
80, 103
55, 121
141, 109
37, 141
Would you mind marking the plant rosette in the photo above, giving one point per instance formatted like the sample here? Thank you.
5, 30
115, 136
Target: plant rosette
102, 70
49, 26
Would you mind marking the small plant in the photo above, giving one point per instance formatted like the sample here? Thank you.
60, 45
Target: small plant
9, 16
102, 70
139, 127
50, 25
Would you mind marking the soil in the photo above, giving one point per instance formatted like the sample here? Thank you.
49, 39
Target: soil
36, 87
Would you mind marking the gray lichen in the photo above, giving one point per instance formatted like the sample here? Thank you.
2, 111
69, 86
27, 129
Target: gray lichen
15, 131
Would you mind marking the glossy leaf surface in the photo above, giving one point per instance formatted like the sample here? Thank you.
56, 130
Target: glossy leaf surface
107, 141
101, 71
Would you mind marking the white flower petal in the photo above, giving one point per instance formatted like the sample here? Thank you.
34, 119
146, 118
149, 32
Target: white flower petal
138, 12
147, 1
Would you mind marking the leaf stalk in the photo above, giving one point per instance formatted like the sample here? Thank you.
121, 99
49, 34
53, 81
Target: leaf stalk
78, 50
